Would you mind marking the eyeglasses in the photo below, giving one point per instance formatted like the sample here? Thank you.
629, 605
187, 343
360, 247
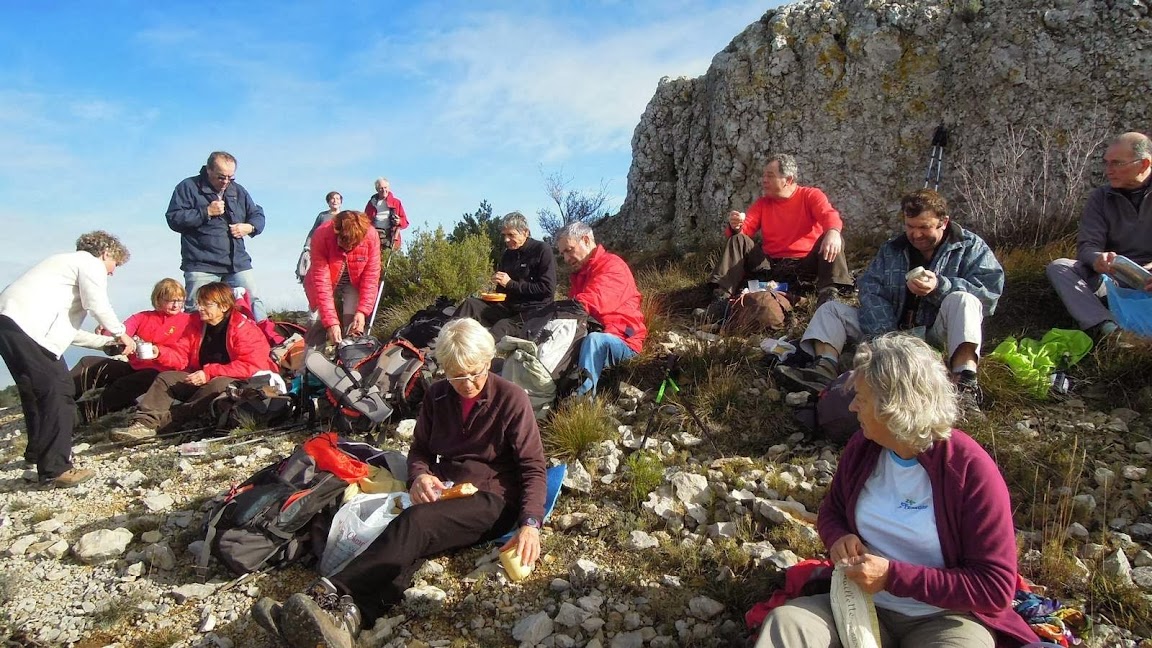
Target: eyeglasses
207, 306
174, 302
470, 378
1117, 164
224, 178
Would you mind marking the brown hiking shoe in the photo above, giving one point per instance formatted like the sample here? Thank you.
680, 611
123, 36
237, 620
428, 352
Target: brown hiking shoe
133, 434
304, 624
69, 478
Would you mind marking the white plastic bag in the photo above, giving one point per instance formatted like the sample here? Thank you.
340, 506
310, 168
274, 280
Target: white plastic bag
356, 525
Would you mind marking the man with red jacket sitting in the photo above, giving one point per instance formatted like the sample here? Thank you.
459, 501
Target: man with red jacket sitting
603, 284
800, 238
225, 347
345, 254
387, 214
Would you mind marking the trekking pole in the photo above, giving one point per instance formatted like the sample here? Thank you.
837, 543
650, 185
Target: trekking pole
669, 386
936, 157
379, 292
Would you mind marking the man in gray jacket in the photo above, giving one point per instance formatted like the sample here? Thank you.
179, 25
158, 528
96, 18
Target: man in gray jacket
213, 215
937, 281
1117, 220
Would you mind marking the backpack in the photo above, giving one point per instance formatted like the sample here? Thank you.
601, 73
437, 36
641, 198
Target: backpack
833, 418
368, 381
758, 312
266, 520
423, 327
257, 400
558, 330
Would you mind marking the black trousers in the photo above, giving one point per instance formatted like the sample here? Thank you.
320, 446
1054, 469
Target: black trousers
499, 319
122, 384
377, 578
46, 396
744, 259
170, 401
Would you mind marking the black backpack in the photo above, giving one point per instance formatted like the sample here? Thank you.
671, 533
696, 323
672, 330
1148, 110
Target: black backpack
537, 329
423, 327
249, 403
266, 520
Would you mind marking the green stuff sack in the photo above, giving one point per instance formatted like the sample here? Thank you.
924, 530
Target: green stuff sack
1033, 362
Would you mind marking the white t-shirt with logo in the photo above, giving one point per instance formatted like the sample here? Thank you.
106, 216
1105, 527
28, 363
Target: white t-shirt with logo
897, 521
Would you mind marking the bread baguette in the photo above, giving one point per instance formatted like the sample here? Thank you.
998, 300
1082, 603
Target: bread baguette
459, 490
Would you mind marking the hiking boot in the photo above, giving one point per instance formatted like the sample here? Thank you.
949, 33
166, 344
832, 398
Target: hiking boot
343, 608
266, 613
304, 624
814, 379
133, 434
69, 478
826, 295
968, 391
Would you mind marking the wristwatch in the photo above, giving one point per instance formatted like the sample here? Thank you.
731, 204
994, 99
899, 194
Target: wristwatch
532, 522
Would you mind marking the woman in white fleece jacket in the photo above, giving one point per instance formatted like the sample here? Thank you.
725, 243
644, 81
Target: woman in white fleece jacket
40, 316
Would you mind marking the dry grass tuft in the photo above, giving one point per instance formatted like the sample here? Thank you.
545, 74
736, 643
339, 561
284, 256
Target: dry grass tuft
576, 425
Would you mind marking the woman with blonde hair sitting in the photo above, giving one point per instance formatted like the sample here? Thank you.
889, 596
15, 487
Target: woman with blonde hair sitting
346, 262
474, 427
917, 515
123, 381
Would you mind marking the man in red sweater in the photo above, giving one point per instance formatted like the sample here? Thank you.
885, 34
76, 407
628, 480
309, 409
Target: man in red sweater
603, 284
800, 238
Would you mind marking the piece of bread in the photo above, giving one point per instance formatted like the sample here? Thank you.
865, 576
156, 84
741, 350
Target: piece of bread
493, 296
459, 490
512, 566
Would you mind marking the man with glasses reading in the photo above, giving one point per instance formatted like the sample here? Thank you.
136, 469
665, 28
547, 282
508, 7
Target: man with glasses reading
1117, 220
936, 280
213, 214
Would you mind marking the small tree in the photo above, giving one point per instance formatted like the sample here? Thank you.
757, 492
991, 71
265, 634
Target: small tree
435, 266
572, 205
480, 223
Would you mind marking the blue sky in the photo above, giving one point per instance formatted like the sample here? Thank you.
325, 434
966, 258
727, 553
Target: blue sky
104, 107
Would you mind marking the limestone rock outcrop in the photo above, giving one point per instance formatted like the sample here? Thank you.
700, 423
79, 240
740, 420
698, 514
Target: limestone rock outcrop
855, 89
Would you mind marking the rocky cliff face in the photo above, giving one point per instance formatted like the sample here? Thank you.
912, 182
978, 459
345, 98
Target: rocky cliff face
855, 89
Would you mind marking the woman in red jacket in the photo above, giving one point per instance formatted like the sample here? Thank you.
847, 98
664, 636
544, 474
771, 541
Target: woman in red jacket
227, 347
345, 260
124, 381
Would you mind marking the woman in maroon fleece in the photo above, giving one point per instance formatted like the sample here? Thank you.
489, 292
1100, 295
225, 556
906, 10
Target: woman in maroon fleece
917, 514
474, 427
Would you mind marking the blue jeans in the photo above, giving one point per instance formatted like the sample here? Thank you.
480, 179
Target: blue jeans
193, 281
598, 351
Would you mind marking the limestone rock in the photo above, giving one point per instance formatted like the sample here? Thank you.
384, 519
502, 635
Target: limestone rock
101, 545
532, 629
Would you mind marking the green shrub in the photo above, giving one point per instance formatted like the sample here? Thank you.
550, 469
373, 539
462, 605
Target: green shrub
435, 266
646, 472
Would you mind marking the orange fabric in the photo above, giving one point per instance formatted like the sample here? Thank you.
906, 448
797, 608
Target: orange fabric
328, 456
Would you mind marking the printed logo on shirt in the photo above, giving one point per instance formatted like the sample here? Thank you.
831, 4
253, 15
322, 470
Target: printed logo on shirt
910, 505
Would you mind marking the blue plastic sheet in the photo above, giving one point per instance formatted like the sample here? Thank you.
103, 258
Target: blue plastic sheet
1131, 308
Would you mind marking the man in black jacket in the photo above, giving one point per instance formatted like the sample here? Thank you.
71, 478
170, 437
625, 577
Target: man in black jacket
526, 277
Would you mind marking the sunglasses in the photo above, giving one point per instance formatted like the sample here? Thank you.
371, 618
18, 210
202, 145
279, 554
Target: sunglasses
471, 378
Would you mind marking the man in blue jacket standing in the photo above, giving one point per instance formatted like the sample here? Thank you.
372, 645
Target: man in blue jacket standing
213, 214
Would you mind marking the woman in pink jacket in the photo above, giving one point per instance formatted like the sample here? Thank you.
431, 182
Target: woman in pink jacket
345, 261
126, 380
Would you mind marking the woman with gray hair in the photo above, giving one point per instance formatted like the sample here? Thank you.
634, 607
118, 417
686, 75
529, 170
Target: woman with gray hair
474, 427
525, 281
40, 316
917, 515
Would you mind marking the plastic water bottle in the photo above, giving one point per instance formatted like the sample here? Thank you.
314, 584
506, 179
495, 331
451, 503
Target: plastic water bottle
1061, 383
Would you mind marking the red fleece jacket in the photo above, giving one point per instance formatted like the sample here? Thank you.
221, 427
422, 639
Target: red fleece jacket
161, 330
789, 227
398, 207
248, 350
605, 287
328, 259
